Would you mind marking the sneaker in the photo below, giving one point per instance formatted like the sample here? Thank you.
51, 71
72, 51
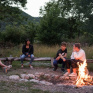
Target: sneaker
31, 67
5, 69
62, 69
8, 67
55, 68
73, 75
22, 66
66, 74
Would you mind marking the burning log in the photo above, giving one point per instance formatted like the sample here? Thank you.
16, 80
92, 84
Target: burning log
83, 77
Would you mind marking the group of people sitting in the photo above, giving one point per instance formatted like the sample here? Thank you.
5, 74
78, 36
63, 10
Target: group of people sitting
78, 55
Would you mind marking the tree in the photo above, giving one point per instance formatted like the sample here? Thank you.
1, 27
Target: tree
11, 14
51, 26
64, 19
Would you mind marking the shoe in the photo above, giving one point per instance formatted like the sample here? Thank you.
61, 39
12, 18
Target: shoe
31, 67
55, 68
5, 69
73, 75
8, 67
22, 66
66, 74
62, 69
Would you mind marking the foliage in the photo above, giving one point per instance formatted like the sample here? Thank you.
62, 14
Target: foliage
13, 34
64, 19
7, 11
18, 34
10, 12
30, 30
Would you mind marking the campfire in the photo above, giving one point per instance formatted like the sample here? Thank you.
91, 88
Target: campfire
83, 75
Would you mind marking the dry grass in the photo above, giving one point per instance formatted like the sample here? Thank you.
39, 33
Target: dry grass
43, 51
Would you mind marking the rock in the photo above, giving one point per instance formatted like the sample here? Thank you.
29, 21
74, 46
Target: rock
31, 76
46, 83
64, 78
24, 76
59, 84
56, 77
41, 73
14, 77
47, 76
23, 80
33, 80
38, 75
73, 78
61, 78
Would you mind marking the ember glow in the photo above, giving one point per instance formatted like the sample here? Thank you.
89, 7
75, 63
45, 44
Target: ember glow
83, 77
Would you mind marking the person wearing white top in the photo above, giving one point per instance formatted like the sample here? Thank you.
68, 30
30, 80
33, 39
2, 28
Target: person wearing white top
78, 55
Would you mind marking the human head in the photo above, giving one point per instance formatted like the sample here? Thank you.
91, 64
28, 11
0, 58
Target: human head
27, 42
76, 47
63, 45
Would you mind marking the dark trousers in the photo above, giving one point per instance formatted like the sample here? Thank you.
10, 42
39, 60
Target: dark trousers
72, 63
60, 61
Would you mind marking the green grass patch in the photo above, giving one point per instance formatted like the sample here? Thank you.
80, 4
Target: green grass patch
16, 87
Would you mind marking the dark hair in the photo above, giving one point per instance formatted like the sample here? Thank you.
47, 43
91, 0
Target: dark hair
63, 44
77, 45
26, 41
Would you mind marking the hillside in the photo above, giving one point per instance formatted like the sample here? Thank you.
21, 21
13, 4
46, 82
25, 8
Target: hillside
30, 18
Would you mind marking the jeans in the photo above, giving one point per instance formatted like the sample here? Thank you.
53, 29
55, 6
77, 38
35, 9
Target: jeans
60, 61
24, 56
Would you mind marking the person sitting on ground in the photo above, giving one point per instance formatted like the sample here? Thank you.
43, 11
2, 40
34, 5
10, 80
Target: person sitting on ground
60, 57
27, 51
78, 55
5, 68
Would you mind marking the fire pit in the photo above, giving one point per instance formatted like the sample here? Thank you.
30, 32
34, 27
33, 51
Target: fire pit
83, 75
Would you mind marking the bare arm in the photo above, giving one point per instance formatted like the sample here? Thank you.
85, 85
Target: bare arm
62, 57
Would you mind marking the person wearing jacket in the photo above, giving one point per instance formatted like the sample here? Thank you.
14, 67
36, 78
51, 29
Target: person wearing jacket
27, 51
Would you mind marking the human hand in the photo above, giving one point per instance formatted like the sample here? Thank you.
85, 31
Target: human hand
28, 55
61, 56
64, 59
58, 58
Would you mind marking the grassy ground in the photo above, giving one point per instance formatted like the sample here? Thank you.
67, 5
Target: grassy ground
43, 51
19, 87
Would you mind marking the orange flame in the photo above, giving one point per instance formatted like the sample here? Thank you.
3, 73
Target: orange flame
82, 74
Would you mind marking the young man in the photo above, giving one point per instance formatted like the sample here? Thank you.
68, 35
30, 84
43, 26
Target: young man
60, 57
78, 55
27, 51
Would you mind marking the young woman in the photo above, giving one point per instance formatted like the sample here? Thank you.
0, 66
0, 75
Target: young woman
27, 51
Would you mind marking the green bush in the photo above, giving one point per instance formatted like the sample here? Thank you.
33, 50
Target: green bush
13, 34
18, 34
